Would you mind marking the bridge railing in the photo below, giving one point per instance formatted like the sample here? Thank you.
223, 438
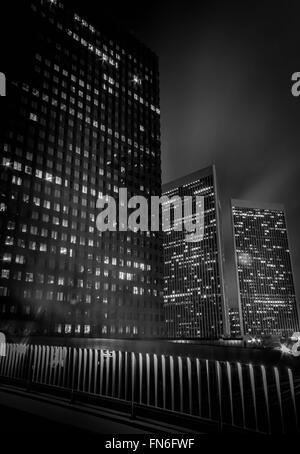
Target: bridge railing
233, 394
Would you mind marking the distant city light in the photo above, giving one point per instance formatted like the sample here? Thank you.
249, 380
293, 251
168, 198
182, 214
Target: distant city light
245, 259
284, 349
137, 80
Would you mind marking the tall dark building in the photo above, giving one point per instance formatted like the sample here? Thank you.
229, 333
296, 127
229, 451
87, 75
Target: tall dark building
81, 120
267, 298
193, 271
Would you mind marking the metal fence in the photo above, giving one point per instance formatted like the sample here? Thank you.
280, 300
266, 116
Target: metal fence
232, 394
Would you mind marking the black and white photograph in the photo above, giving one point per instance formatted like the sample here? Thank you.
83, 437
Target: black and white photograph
149, 221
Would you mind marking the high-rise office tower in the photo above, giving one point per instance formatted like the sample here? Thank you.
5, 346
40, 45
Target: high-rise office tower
193, 271
81, 120
267, 299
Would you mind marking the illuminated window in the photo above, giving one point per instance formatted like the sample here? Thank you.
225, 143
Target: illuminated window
58, 328
60, 296
33, 117
77, 329
137, 80
5, 274
29, 277
3, 291
135, 330
20, 259
7, 257
68, 329
9, 241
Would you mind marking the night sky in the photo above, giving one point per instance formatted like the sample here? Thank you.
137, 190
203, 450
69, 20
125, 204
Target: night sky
226, 97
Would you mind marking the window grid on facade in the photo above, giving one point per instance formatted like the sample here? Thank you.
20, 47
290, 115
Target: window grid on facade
193, 272
264, 272
77, 127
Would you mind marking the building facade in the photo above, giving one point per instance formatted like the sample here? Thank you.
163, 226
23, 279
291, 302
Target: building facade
234, 322
267, 300
81, 121
193, 271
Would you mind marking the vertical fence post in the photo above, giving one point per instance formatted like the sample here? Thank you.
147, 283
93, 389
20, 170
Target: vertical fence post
90, 361
265, 388
113, 386
74, 367
120, 375
148, 377
241, 384
172, 382
278, 390
95, 370
180, 382
126, 375
292, 389
141, 376
107, 362
219, 387
163, 368
133, 372
208, 388
101, 373
30, 369
155, 365
229, 378
198, 367
252, 382
189, 369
